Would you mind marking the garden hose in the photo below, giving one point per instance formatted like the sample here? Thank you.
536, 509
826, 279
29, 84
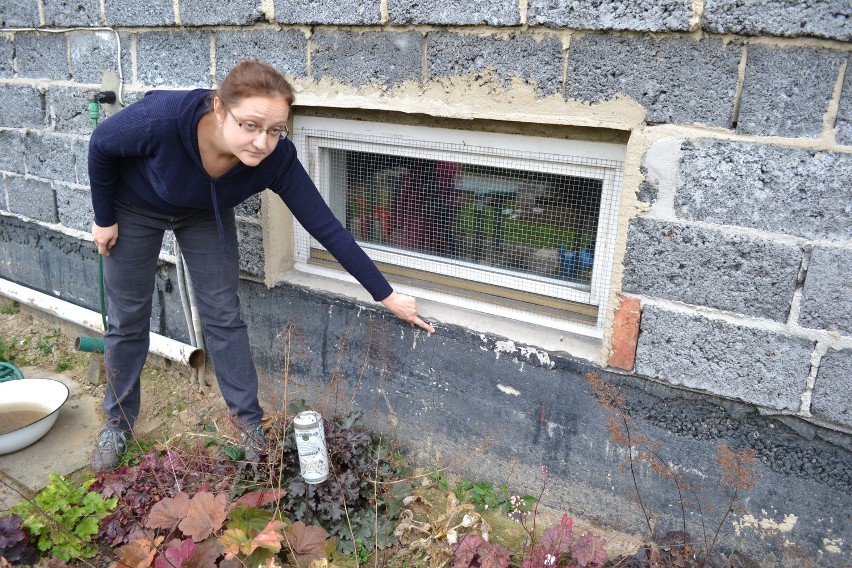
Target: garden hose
9, 372
95, 344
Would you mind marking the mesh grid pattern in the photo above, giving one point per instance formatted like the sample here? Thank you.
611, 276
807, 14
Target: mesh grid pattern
512, 220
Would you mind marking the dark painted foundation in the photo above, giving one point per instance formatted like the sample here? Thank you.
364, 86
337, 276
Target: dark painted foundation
473, 403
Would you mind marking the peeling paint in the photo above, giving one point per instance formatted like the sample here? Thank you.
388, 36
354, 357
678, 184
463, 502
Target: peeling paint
542, 356
552, 427
504, 347
832, 545
508, 390
766, 526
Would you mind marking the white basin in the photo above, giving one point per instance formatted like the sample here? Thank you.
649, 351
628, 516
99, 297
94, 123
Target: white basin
47, 394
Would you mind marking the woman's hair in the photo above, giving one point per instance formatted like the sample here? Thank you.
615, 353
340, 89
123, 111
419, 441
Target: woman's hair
253, 78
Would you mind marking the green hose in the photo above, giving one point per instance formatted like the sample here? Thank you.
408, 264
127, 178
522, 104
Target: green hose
9, 372
83, 343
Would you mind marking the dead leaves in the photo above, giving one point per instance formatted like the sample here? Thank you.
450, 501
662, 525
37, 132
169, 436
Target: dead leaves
433, 541
306, 542
206, 515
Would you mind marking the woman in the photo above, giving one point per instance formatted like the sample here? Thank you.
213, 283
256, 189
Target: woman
182, 160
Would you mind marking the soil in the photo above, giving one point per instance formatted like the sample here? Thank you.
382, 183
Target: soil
173, 403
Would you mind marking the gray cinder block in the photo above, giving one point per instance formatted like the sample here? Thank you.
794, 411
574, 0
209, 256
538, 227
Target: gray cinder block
342, 12
173, 58
7, 52
844, 112
820, 18
787, 91
250, 207
538, 63
757, 366
638, 15
136, 13
67, 109
23, 107
81, 160
827, 294
31, 197
388, 58
49, 156
455, 12
12, 154
286, 50
795, 191
736, 273
832, 396
91, 54
74, 208
233, 12
250, 237
81, 13
677, 80
21, 14
42, 55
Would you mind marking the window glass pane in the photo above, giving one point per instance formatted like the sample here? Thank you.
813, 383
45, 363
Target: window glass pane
524, 222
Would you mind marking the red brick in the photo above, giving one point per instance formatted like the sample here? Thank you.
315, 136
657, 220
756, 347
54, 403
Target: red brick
625, 334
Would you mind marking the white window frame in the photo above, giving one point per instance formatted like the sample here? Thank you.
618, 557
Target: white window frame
314, 134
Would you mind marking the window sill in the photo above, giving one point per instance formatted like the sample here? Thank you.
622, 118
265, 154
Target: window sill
526, 333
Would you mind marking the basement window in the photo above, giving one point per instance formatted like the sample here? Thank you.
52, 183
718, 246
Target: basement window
517, 226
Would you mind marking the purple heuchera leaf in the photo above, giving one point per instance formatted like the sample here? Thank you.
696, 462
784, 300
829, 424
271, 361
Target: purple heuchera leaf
493, 556
177, 556
589, 550
558, 540
466, 550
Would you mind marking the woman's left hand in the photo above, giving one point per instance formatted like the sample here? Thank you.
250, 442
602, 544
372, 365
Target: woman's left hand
405, 308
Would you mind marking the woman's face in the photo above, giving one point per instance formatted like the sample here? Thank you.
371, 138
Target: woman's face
252, 127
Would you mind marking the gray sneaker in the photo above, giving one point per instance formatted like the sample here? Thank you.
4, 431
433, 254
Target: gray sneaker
254, 443
112, 443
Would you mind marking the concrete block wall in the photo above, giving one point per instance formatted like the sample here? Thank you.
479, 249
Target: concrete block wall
733, 247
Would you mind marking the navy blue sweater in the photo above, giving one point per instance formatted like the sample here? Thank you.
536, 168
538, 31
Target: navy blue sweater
147, 155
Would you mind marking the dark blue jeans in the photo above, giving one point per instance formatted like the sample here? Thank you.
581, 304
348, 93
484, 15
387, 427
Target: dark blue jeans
129, 274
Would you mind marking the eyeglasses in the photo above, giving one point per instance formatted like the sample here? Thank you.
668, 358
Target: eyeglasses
253, 128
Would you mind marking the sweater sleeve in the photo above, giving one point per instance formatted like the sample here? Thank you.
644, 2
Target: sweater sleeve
125, 134
307, 205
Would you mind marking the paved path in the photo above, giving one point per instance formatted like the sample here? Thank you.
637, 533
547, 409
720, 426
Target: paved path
63, 450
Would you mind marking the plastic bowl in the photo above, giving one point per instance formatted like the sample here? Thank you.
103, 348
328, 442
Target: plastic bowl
48, 394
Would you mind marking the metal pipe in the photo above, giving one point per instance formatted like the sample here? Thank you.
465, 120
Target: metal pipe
160, 345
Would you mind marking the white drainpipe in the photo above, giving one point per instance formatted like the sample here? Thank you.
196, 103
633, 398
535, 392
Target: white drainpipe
160, 345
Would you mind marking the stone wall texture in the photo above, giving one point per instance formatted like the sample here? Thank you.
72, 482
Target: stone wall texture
734, 234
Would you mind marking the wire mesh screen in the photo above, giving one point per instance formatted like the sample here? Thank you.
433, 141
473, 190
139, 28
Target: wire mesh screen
527, 222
